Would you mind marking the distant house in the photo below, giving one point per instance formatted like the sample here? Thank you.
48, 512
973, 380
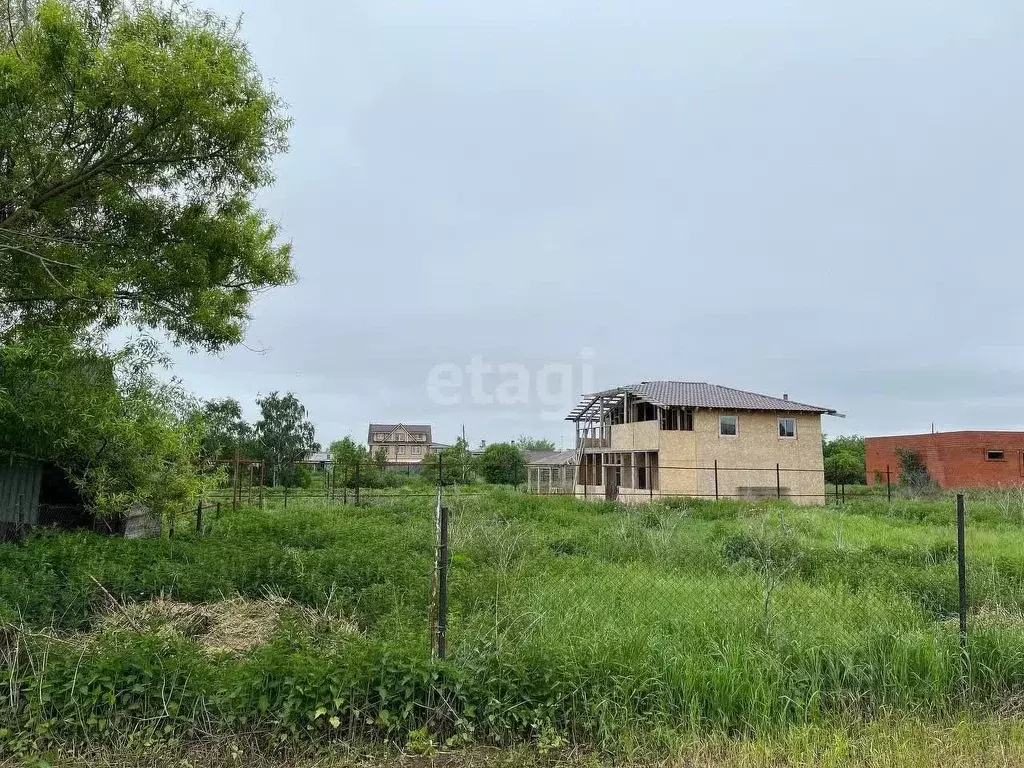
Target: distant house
402, 443
550, 471
676, 438
319, 460
965, 459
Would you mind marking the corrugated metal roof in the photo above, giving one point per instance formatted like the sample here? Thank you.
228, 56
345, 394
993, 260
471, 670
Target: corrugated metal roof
550, 457
697, 394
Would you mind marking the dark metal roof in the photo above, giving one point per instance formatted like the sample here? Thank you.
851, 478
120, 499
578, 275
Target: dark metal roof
693, 394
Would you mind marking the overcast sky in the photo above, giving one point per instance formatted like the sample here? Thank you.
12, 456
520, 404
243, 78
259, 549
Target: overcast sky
817, 198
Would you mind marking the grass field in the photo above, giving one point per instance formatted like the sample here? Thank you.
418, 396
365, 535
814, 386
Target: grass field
619, 630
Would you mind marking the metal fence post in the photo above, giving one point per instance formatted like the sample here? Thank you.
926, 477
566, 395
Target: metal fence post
170, 524
843, 486
357, 483
888, 484
778, 481
199, 518
442, 586
716, 479
961, 563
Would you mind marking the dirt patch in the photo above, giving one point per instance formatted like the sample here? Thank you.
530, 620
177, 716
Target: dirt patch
236, 625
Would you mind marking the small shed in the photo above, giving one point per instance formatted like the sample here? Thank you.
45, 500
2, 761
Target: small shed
550, 472
20, 483
35, 493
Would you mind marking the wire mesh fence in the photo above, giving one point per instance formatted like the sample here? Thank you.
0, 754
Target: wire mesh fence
249, 483
845, 600
764, 589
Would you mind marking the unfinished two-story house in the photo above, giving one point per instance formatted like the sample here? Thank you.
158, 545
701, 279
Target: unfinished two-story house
658, 439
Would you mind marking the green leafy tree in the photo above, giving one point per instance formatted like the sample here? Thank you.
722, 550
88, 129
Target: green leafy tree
133, 137
284, 435
225, 433
347, 453
355, 467
843, 469
535, 444
503, 464
380, 457
120, 432
352, 462
457, 464
844, 459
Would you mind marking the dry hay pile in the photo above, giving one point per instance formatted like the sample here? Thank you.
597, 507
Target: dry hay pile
997, 616
234, 625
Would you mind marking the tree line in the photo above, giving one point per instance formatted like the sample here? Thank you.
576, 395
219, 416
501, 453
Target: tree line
283, 437
280, 437
497, 463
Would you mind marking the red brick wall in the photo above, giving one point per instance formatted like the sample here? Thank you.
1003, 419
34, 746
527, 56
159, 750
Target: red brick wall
953, 459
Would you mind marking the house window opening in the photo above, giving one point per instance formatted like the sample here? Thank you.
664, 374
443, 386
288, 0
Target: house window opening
995, 455
728, 426
646, 412
677, 419
787, 427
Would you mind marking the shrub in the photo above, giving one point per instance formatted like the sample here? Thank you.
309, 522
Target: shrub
914, 475
503, 464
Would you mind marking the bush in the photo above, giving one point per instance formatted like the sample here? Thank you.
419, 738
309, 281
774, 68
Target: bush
295, 476
844, 459
503, 464
844, 469
914, 477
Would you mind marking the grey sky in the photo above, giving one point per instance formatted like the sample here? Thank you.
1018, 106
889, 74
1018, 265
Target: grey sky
816, 198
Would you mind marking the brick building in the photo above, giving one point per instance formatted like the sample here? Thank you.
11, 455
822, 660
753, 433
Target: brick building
967, 459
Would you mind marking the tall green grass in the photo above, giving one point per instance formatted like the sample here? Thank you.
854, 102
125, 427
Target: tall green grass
570, 622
